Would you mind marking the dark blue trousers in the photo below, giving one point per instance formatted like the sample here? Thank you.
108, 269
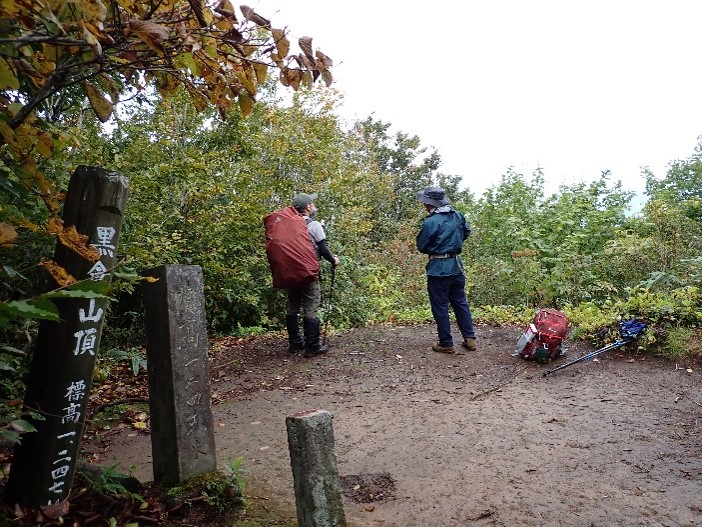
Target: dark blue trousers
445, 290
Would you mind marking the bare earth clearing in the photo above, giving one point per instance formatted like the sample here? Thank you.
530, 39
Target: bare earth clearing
432, 440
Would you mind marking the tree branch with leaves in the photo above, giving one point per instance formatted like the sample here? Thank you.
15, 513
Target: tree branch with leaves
105, 51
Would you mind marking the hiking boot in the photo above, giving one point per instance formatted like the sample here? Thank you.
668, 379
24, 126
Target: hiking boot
469, 344
439, 348
296, 348
313, 352
297, 343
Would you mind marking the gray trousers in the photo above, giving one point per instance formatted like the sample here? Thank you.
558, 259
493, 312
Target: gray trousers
305, 299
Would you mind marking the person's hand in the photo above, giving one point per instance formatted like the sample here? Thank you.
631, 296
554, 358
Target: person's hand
336, 261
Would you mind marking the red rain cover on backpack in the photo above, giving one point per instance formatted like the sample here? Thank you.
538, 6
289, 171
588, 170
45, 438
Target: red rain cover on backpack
543, 338
289, 249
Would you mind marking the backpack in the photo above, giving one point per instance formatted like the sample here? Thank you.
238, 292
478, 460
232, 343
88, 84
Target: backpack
542, 340
289, 249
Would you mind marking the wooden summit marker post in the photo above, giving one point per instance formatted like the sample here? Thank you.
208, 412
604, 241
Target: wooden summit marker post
63, 363
182, 430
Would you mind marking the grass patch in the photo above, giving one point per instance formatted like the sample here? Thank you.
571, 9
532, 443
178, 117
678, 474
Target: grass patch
682, 344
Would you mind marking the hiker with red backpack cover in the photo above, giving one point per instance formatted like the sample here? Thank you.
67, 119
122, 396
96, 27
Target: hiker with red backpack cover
295, 241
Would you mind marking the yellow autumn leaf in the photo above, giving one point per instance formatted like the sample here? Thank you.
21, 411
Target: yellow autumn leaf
8, 134
8, 78
245, 103
198, 99
94, 10
101, 106
246, 81
187, 61
282, 43
45, 144
35, 177
8, 234
165, 6
73, 240
11, 9
306, 80
91, 40
26, 135
261, 72
62, 277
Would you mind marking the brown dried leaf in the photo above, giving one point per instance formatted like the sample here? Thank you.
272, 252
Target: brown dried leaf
62, 277
304, 62
294, 79
235, 35
306, 46
101, 106
284, 76
199, 12
153, 35
257, 19
8, 234
327, 77
323, 61
226, 9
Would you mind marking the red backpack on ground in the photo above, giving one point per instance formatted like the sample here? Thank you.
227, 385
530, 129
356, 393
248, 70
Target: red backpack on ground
289, 249
543, 338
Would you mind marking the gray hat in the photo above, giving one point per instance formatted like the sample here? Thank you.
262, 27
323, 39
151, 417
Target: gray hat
433, 195
301, 200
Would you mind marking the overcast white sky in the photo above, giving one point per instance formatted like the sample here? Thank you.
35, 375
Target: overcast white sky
571, 86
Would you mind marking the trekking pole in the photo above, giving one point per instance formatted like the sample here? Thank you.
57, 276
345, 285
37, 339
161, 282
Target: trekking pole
617, 344
627, 330
329, 308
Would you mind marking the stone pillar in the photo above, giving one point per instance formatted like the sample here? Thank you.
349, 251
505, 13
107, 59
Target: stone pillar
63, 362
182, 430
316, 477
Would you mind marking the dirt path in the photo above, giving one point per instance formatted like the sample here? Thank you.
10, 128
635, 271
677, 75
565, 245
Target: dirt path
431, 440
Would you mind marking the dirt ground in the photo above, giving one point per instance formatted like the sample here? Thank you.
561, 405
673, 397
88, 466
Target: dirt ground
483, 438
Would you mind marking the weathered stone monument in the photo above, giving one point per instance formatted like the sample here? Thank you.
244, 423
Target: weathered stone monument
315, 473
182, 431
63, 362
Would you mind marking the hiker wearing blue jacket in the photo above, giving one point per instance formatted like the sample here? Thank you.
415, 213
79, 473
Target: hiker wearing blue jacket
441, 238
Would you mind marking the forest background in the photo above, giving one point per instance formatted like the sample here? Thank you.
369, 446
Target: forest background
201, 180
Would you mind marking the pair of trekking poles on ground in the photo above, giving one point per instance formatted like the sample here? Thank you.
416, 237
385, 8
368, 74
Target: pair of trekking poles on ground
628, 331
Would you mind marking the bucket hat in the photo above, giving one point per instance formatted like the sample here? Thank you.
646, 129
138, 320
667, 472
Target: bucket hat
434, 196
